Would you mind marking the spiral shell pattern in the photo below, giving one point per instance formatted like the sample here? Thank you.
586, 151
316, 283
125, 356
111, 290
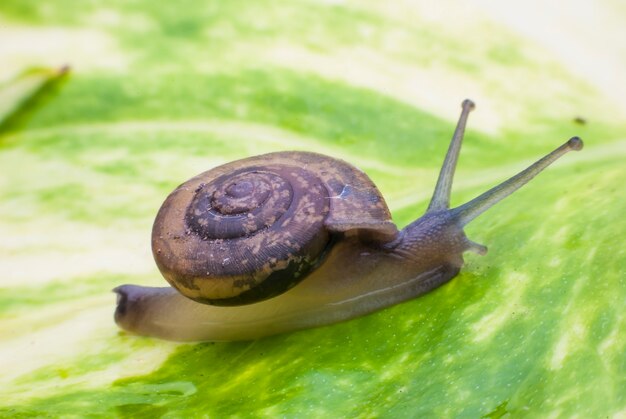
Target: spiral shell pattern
253, 228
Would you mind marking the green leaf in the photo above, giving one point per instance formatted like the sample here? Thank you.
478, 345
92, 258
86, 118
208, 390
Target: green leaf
161, 91
22, 94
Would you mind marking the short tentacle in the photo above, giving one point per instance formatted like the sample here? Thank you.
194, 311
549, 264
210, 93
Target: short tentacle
477, 248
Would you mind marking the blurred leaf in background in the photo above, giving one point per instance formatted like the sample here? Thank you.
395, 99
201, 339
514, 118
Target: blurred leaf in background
160, 91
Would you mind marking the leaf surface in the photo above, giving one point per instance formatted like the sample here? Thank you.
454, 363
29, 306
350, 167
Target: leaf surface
160, 91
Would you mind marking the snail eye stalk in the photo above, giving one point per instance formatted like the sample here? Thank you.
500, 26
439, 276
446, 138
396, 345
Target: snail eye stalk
472, 209
441, 196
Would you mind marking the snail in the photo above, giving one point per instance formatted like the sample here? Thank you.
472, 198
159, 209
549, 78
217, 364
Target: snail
292, 240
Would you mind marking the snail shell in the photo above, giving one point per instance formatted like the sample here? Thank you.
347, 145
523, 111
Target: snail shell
251, 229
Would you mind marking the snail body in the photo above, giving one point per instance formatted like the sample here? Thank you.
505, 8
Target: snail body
292, 240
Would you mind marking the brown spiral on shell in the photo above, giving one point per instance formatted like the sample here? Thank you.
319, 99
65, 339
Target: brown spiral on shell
253, 228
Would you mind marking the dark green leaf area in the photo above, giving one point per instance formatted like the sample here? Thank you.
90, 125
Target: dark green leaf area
353, 119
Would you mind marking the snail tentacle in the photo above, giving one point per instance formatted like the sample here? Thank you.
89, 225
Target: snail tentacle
472, 209
441, 196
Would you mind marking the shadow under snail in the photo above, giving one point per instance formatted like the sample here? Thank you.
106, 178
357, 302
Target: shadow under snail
292, 240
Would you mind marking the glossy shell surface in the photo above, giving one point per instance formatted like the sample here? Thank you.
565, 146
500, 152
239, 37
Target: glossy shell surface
251, 229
